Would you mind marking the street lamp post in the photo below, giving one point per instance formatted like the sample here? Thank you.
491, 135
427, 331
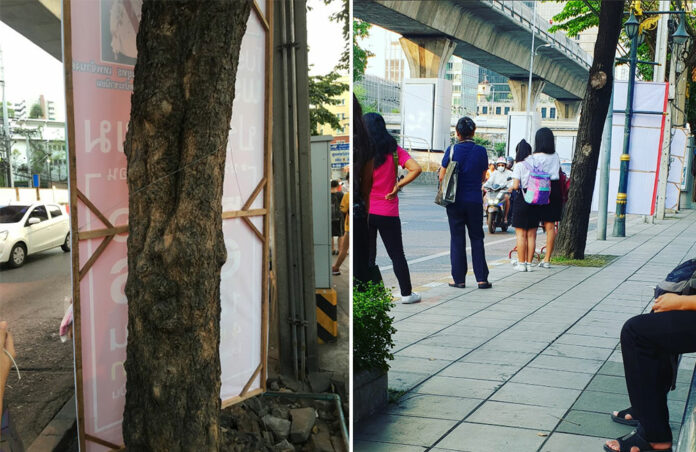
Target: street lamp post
631, 28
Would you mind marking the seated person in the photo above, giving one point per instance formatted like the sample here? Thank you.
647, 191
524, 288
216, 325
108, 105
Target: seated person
648, 342
503, 178
6, 346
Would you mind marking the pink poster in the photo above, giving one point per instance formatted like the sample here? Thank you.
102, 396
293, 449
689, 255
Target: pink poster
103, 56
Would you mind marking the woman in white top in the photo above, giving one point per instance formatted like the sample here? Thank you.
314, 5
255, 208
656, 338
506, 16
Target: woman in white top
525, 218
546, 158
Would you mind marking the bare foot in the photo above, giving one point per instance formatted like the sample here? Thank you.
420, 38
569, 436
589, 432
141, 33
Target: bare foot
614, 445
628, 416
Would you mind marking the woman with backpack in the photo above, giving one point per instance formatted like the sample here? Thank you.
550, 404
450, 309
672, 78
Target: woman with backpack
466, 213
384, 202
524, 216
546, 159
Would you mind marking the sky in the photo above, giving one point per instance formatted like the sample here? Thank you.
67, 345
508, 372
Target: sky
29, 71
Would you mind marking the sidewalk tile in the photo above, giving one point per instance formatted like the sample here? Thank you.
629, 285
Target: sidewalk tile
414, 431
404, 381
608, 383
499, 357
479, 438
370, 446
433, 406
458, 387
601, 402
418, 365
568, 364
592, 424
517, 415
478, 371
578, 351
587, 341
612, 368
561, 442
495, 345
553, 378
536, 395
453, 340
434, 352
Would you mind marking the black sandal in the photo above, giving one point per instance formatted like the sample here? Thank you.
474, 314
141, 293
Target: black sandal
485, 285
620, 417
634, 439
460, 285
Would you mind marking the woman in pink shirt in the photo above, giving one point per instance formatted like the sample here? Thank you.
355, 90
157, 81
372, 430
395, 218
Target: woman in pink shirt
384, 202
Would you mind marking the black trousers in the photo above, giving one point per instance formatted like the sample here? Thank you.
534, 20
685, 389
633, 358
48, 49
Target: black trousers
389, 229
361, 254
648, 342
467, 218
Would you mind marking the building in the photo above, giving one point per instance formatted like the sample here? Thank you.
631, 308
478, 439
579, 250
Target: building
378, 94
464, 77
42, 151
342, 112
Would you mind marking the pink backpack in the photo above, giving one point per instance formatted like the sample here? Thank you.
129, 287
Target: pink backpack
538, 186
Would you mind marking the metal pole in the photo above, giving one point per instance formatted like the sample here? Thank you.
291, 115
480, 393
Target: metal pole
7, 144
529, 84
621, 198
661, 44
663, 170
604, 172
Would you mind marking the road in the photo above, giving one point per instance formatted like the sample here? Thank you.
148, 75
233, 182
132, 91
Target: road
32, 300
426, 238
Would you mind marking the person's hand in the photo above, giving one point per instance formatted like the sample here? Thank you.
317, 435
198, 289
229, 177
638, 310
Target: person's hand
393, 193
6, 343
668, 302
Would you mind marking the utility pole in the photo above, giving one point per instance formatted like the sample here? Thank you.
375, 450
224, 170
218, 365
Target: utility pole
661, 44
7, 143
604, 172
529, 85
663, 170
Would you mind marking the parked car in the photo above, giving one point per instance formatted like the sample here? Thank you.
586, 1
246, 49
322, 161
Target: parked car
27, 228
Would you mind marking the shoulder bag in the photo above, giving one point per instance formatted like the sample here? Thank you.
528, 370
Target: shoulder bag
447, 189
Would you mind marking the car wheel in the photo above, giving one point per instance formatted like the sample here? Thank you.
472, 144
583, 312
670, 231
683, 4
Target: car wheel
18, 255
66, 244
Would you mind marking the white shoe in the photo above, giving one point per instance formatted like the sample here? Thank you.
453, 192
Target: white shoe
521, 267
513, 262
410, 299
545, 264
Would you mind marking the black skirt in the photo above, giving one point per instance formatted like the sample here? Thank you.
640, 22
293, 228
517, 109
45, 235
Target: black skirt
552, 211
524, 216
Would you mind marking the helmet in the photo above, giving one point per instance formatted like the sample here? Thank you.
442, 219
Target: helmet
501, 161
510, 160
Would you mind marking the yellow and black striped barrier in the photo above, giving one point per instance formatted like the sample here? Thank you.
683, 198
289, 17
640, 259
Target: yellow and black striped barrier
327, 315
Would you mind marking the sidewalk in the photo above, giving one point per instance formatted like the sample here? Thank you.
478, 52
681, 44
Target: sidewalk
532, 364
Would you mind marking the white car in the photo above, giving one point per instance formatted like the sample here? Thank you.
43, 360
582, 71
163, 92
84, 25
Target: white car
27, 228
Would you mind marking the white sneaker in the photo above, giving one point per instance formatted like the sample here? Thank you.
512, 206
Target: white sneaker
545, 264
521, 267
513, 262
410, 299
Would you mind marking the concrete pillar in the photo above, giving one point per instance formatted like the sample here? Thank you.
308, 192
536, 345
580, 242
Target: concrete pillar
567, 109
518, 89
427, 56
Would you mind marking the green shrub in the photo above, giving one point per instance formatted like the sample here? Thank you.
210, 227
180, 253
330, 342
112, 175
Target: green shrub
372, 327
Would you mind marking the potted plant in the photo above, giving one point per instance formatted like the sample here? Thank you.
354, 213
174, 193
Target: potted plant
372, 344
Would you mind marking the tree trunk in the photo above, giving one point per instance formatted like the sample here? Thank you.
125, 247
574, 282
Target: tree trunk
176, 144
572, 234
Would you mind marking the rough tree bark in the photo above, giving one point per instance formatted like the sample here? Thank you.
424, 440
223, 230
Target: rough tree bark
184, 83
572, 234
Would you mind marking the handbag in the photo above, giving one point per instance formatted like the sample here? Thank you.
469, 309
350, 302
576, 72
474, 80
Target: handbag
447, 189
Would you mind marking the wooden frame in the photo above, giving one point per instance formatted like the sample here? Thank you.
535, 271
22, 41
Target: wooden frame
110, 231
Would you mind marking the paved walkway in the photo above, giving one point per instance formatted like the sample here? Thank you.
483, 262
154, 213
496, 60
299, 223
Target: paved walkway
532, 364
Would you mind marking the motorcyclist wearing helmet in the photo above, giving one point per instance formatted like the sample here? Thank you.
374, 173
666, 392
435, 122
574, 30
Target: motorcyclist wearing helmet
502, 177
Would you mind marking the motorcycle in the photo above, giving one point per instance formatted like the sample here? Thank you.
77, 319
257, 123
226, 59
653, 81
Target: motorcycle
495, 197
